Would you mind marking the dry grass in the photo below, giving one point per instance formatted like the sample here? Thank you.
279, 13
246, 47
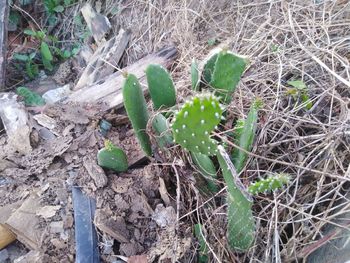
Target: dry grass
284, 40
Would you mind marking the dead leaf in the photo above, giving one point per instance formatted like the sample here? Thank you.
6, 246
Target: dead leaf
48, 211
138, 259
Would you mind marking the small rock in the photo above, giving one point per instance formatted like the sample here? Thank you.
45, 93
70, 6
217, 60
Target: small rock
56, 227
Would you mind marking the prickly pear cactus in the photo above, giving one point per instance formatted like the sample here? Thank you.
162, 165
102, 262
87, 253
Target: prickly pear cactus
227, 73
240, 225
194, 123
245, 134
207, 169
269, 184
112, 157
160, 86
136, 108
161, 127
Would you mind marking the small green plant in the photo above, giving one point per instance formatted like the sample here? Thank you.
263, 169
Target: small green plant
269, 184
245, 134
160, 86
300, 90
222, 72
31, 68
112, 157
30, 98
136, 108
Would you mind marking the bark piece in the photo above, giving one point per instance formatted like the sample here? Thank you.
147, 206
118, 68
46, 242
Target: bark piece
98, 24
115, 227
110, 51
25, 224
95, 171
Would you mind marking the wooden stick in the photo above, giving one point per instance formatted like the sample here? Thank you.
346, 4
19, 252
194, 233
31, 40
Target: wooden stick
3, 40
6, 236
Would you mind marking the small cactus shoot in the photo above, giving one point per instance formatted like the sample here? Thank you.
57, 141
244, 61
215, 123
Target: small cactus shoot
136, 108
194, 123
160, 86
240, 225
269, 184
245, 135
112, 157
227, 73
209, 68
161, 127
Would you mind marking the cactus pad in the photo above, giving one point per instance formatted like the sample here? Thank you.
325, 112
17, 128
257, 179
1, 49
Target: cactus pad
269, 184
160, 86
240, 225
194, 123
227, 72
112, 157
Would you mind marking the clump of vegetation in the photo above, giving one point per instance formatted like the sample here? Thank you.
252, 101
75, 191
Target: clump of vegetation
194, 127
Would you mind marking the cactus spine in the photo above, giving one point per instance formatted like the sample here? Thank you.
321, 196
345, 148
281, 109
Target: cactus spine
194, 123
271, 183
240, 226
112, 157
136, 108
160, 86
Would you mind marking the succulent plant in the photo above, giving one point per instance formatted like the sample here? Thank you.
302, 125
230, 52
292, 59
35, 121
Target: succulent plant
207, 169
136, 108
160, 86
112, 157
269, 184
240, 225
223, 72
245, 134
194, 123
161, 127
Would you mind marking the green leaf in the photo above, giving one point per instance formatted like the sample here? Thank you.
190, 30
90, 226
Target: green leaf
75, 51
40, 34
32, 55
59, 9
298, 84
67, 2
47, 64
21, 57
30, 98
32, 69
306, 101
29, 32
45, 52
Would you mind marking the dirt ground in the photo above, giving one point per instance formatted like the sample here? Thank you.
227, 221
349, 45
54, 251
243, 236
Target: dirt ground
154, 205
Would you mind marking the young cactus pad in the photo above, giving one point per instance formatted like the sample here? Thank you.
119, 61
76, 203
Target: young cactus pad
135, 105
240, 225
112, 157
160, 86
207, 169
245, 135
161, 127
227, 73
194, 123
271, 183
